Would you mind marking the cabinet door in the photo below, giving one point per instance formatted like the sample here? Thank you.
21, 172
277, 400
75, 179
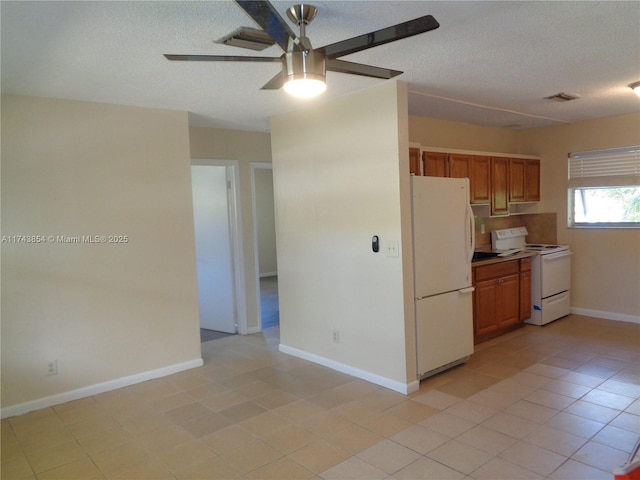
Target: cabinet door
525, 295
414, 161
517, 169
459, 166
480, 179
532, 181
499, 185
507, 301
484, 304
434, 164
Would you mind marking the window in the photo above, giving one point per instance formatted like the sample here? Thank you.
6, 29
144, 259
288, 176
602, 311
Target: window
604, 188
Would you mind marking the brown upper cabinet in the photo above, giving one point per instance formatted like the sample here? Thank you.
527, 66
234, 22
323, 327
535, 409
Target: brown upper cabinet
434, 164
517, 168
499, 186
414, 161
481, 179
459, 165
494, 181
532, 180
524, 180
477, 169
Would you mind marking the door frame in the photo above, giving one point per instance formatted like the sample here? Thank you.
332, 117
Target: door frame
235, 229
257, 166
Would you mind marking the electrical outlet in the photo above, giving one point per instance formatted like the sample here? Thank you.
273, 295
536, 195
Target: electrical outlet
336, 336
52, 367
482, 229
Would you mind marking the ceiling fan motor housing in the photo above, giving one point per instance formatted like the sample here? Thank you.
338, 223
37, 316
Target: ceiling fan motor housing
305, 64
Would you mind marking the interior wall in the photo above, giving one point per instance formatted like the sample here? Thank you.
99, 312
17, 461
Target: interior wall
108, 190
606, 262
431, 132
265, 218
245, 147
337, 183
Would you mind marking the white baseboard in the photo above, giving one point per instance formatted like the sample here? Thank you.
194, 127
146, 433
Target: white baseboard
268, 274
252, 330
404, 388
45, 402
621, 317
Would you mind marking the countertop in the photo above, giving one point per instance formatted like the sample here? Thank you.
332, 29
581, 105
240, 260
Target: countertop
515, 256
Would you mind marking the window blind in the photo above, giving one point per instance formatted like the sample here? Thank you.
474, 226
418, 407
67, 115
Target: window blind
611, 167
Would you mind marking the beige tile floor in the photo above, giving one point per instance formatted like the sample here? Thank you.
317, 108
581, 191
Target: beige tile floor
558, 402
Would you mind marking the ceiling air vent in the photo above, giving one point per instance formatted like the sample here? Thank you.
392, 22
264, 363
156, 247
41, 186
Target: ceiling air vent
248, 38
563, 97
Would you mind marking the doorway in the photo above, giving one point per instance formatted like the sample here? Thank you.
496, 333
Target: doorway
218, 255
265, 244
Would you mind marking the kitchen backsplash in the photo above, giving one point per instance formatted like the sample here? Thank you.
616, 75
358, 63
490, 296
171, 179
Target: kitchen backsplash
541, 228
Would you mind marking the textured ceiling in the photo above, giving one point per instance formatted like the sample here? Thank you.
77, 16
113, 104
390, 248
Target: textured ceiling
489, 63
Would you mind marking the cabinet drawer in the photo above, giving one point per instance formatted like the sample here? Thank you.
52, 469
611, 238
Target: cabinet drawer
496, 270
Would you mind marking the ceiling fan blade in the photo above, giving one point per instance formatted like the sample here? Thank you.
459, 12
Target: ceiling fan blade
342, 66
220, 58
380, 37
275, 83
267, 17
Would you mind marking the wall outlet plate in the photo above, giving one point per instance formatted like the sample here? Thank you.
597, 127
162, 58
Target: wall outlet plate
52, 367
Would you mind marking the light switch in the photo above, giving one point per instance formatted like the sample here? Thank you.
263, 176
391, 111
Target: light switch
392, 248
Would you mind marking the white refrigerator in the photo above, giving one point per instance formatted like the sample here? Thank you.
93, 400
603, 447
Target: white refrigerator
443, 244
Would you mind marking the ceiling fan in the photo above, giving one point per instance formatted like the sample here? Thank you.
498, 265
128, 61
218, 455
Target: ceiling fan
304, 67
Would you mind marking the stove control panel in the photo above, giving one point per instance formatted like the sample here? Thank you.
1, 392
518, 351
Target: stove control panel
508, 238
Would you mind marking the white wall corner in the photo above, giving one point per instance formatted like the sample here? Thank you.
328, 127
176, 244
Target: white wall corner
400, 387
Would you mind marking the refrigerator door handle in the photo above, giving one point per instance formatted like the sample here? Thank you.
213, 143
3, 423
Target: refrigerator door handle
472, 232
467, 290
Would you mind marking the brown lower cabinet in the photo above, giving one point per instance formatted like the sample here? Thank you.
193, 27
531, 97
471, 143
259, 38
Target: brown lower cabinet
525, 289
502, 297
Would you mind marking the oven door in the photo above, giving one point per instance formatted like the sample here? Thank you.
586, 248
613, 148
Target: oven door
555, 272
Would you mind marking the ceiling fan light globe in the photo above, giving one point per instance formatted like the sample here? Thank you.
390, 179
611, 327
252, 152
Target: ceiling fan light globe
305, 87
305, 72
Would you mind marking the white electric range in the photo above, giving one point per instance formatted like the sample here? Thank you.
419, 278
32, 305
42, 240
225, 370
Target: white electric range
550, 273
